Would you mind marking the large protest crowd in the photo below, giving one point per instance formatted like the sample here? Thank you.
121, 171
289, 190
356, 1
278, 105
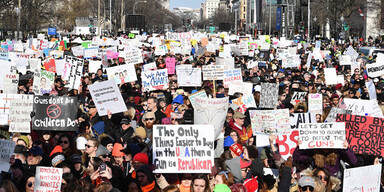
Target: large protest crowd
191, 112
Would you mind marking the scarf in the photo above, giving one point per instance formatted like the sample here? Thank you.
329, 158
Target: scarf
183, 188
149, 187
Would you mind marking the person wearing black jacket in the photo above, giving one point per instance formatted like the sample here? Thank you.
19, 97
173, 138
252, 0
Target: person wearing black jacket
125, 132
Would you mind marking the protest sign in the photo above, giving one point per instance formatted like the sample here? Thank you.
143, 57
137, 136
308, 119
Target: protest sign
363, 107
48, 179
244, 102
183, 148
10, 83
161, 50
232, 76
122, 74
366, 178
75, 72
371, 89
322, 135
50, 65
213, 72
228, 62
91, 52
292, 61
78, 51
198, 94
133, 56
20, 114
188, 76
330, 76
7, 147
375, 69
170, 63
211, 111
345, 60
315, 103
270, 121
244, 88
54, 113
333, 113
288, 142
5, 102
251, 64
94, 65
268, 95
149, 66
364, 134
309, 59
107, 96
298, 97
154, 80
43, 82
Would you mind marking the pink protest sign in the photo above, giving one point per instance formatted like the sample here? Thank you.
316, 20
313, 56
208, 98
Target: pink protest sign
170, 63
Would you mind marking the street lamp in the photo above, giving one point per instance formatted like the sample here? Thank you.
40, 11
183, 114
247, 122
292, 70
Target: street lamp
134, 5
313, 26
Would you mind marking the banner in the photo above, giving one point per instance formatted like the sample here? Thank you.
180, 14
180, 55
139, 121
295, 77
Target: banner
154, 80
183, 148
213, 72
54, 113
75, 72
10, 83
364, 134
20, 114
107, 96
244, 102
333, 114
209, 111
232, 76
322, 135
367, 178
48, 179
244, 88
43, 82
188, 76
133, 56
7, 148
170, 63
268, 95
363, 107
122, 74
198, 94
315, 103
375, 69
270, 121
298, 97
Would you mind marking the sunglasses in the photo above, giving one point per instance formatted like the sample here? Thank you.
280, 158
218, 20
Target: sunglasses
88, 146
305, 188
324, 178
149, 119
106, 156
65, 142
174, 119
30, 184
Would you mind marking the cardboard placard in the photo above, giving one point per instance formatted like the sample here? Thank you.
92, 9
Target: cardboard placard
315, 103
154, 80
213, 72
75, 72
367, 178
244, 88
133, 56
270, 121
43, 82
107, 96
198, 94
170, 63
183, 148
20, 114
244, 102
298, 97
122, 74
48, 179
268, 95
322, 135
363, 107
375, 69
188, 76
232, 76
7, 147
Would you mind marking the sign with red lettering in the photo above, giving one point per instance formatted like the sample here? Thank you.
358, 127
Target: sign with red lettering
183, 148
48, 179
364, 134
322, 135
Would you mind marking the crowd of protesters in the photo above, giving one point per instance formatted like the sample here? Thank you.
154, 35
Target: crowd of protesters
114, 152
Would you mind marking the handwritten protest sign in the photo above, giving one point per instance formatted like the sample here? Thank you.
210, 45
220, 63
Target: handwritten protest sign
333, 114
183, 148
209, 111
161, 50
213, 72
298, 97
244, 88
363, 107
375, 69
91, 52
345, 60
54, 113
315, 103
43, 82
7, 147
244, 102
20, 114
75, 72
366, 178
10, 83
364, 134
288, 142
122, 74
270, 121
198, 94
268, 95
232, 76
48, 179
188, 76
228, 62
330, 76
322, 135
133, 56
107, 96
154, 80
170, 63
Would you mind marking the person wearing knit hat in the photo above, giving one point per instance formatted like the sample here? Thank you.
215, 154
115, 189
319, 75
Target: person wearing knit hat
107, 141
146, 179
140, 132
56, 149
117, 153
35, 155
20, 153
23, 140
57, 158
139, 160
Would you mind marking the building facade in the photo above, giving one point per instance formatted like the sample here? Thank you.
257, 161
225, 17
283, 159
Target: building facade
208, 8
164, 3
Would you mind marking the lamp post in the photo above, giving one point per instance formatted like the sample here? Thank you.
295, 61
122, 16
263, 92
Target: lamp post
309, 21
342, 30
314, 28
134, 6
